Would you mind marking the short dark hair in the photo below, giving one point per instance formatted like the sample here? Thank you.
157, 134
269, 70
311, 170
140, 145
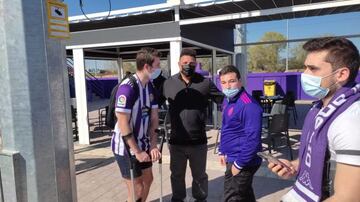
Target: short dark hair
341, 53
188, 52
230, 69
146, 55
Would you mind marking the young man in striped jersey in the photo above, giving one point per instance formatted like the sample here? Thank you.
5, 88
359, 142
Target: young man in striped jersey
137, 118
240, 137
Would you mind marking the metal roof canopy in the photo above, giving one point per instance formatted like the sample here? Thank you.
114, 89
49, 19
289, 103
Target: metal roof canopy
123, 42
129, 52
198, 22
200, 11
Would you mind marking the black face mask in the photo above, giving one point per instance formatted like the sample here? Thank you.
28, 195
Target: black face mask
188, 70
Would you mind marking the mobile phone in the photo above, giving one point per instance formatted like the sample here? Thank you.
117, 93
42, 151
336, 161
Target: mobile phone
273, 160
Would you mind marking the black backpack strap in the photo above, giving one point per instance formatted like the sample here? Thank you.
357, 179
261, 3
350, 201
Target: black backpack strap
134, 84
111, 119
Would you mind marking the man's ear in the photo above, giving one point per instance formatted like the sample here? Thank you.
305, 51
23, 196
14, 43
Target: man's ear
240, 83
343, 75
147, 66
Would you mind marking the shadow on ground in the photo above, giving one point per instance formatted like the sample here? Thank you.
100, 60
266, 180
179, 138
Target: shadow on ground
88, 164
301, 111
214, 195
263, 186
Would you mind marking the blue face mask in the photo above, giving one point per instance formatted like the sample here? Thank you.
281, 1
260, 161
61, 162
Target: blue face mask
312, 85
155, 74
230, 93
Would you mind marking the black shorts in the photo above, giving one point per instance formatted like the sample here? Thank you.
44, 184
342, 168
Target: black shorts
124, 165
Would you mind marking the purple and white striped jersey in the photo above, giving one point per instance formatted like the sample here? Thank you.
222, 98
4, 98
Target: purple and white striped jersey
137, 104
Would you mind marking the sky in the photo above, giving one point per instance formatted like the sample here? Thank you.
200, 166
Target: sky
91, 6
338, 24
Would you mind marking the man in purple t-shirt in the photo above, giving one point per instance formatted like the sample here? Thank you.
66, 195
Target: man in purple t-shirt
331, 133
136, 110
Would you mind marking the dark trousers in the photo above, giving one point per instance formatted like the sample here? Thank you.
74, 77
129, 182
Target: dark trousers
179, 155
238, 188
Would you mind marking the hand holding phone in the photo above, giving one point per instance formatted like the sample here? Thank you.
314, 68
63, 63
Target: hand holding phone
273, 160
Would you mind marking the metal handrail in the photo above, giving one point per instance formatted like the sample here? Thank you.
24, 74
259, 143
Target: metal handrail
95, 82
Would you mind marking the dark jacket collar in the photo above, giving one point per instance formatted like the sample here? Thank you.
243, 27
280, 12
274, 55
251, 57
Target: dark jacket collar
236, 97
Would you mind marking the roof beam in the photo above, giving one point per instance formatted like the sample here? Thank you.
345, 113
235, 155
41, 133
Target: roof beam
143, 9
124, 43
282, 17
274, 11
102, 51
202, 45
290, 41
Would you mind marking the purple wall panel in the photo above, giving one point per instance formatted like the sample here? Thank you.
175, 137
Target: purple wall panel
290, 81
109, 84
285, 82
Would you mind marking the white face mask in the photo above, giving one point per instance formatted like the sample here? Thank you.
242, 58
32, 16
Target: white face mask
312, 85
230, 93
155, 74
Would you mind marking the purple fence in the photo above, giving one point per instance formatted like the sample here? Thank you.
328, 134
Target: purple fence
107, 83
285, 82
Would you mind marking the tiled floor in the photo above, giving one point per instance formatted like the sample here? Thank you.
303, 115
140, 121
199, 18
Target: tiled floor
98, 176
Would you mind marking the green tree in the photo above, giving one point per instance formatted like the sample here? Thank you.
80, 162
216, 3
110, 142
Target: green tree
129, 66
266, 57
298, 55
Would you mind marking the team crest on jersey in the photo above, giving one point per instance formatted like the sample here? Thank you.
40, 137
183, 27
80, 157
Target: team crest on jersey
230, 112
151, 97
121, 102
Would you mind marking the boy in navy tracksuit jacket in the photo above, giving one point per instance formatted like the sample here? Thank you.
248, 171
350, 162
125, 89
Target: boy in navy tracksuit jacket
240, 137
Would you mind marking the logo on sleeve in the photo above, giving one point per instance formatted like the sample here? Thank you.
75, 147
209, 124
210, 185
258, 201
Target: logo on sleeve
121, 102
230, 112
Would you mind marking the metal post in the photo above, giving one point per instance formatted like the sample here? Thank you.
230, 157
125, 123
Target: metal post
240, 58
213, 67
37, 159
120, 69
175, 49
81, 98
168, 64
287, 45
177, 14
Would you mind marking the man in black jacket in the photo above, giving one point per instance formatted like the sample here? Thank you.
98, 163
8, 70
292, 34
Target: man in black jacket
187, 93
158, 83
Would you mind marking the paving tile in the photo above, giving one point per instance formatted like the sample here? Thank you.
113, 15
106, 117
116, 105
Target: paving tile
98, 176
